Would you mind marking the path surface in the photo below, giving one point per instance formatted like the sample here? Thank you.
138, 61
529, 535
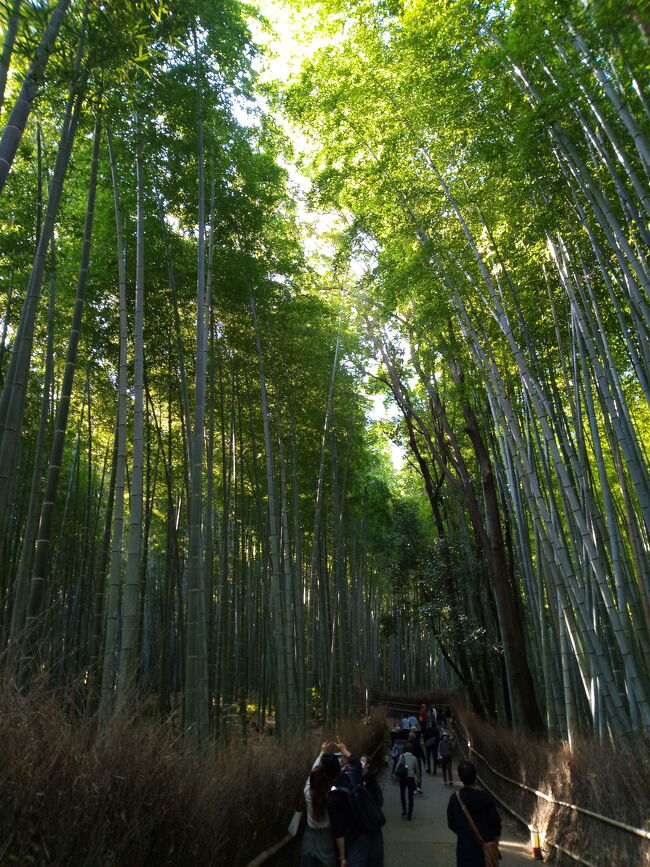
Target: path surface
426, 841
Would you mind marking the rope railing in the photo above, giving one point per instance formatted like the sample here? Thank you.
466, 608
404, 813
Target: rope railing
535, 844
288, 837
614, 822
639, 832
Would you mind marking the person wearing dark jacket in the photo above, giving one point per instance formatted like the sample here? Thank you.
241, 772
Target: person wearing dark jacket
398, 747
445, 753
370, 782
431, 738
483, 810
355, 847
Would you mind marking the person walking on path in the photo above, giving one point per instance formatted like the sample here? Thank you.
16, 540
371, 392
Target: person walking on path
418, 752
407, 780
483, 810
445, 750
317, 848
355, 847
431, 738
398, 747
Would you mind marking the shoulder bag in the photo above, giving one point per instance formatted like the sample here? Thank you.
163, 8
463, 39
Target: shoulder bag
491, 854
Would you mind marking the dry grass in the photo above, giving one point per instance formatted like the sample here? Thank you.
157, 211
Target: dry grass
610, 781
138, 796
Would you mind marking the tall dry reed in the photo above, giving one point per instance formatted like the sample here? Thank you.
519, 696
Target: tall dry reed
611, 780
138, 796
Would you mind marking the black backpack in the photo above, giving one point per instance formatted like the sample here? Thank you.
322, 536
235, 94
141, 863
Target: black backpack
367, 813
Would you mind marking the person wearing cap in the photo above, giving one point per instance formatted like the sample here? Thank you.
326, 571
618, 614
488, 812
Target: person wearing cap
317, 848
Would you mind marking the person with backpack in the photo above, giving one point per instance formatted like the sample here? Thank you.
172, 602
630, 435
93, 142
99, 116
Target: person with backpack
473, 816
356, 818
317, 848
445, 750
406, 773
398, 747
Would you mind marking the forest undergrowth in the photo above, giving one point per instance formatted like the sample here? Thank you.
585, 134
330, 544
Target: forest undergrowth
138, 795
610, 780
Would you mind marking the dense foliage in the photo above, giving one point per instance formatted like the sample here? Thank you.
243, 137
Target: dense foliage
190, 512
490, 162
194, 507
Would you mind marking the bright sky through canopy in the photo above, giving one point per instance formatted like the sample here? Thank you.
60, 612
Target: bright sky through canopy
285, 49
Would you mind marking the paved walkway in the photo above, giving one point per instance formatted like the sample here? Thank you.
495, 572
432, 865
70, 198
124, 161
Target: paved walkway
426, 841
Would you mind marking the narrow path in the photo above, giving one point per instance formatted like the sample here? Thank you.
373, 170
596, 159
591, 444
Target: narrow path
426, 841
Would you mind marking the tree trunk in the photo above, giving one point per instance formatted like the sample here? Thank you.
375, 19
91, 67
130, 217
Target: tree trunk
128, 651
115, 573
42, 555
12, 400
13, 131
196, 697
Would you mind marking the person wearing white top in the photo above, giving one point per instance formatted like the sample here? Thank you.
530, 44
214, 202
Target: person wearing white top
318, 848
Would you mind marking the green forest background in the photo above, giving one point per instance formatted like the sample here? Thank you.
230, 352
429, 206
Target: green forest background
325, 376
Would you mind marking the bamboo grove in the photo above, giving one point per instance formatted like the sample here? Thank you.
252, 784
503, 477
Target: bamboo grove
191, 520
491, 161
197, 515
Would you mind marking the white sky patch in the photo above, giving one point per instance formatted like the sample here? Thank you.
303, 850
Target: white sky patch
383, 408
286, 49
397, 456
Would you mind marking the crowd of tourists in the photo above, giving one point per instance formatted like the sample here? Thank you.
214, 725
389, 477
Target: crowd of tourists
421, 742
344, 800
